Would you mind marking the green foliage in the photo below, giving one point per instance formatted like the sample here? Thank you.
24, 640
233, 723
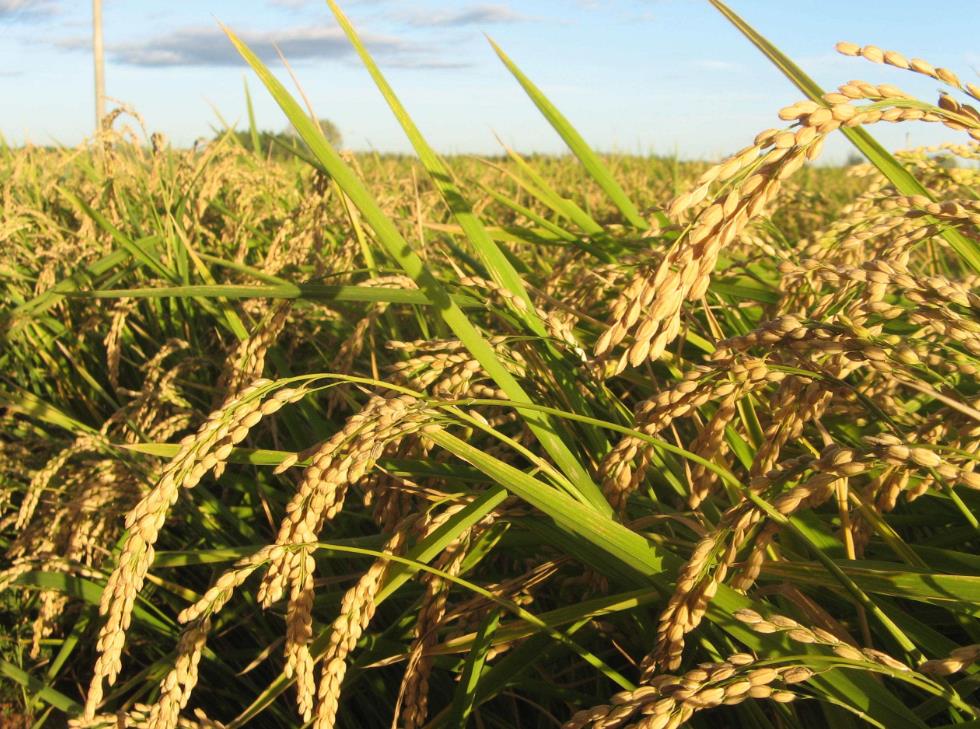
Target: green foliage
282, 145
496, 526
329, 130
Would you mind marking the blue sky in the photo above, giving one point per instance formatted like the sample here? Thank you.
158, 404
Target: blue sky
645, 76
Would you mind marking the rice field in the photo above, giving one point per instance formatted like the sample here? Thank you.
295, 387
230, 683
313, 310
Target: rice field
353, 440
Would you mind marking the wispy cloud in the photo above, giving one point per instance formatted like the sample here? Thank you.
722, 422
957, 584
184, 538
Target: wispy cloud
475, 15
303, 4
827, 62
11, 10
425, 62
291, 4
202, 46
716, 64
210, 47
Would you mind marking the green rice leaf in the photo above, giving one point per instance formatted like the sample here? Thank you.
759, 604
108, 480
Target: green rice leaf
399, 249
580, 148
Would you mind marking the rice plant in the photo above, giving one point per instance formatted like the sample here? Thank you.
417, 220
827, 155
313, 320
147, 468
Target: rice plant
352, 441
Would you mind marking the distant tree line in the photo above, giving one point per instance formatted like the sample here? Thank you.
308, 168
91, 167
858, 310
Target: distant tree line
278, 144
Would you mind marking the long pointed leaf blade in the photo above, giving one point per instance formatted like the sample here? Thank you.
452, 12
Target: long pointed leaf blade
286, 290
37, 688
399, 249
580, 148
253, 129
496, 263
649, 562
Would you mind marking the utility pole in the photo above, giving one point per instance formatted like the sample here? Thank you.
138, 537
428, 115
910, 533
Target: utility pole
99, 58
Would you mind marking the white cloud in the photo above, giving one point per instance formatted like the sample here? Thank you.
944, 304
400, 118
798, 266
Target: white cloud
204, 46
475, 15
11, 10
715, 64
